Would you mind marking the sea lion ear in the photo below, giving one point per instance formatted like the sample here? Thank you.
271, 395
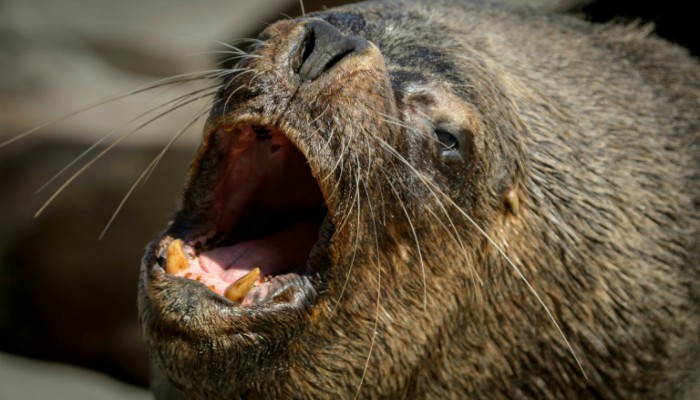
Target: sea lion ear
511, 201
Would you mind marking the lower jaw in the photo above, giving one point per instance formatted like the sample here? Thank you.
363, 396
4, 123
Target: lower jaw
194, 335
289, 300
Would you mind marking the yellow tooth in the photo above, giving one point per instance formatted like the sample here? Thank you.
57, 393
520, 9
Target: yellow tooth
175, 258
238, 289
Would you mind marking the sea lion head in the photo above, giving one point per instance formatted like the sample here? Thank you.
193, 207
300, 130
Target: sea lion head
363, 217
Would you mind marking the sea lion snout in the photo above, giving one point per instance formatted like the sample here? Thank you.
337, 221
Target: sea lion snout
323, 47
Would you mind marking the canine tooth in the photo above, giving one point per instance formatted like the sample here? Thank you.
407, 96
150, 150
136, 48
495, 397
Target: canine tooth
237, 290
175, 258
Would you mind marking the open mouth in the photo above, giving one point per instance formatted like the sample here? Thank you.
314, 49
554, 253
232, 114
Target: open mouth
262, 220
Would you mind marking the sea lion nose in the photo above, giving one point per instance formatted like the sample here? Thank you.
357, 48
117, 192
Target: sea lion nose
323, 47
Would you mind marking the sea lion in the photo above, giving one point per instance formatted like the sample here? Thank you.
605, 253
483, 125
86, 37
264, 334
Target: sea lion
442, 200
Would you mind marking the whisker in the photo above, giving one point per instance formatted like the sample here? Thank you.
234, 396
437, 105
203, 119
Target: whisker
256, 76
394, 121
357, 240
527, 283
223, 61
224, 113
205, 109
246, 57
338, 164
239, 53
328, 144
415, 238
111, 133
150, 167
513, 266
320, 115
240, 71
432, 189
105, 151
235, 49
355, 198
177, 79
231, 47
235, 90
379, 291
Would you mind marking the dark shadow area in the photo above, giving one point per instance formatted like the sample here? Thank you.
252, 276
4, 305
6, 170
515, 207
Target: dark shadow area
674, 20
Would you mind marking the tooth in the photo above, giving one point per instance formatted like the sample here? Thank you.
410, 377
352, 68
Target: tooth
175, 258
237, 290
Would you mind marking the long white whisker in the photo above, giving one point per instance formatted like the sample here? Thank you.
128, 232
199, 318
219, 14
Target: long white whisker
140, 89
432, 189
357, 240
102, 153
338, 161
150, 167
527, 283
205, 109
418, 248
235, 90
111, 133
509, 261
338, 164
379, 291
245, 57
233, 48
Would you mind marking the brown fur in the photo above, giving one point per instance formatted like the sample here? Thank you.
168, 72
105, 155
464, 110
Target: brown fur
580, 163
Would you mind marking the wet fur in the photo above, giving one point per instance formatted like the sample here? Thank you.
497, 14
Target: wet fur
593, 129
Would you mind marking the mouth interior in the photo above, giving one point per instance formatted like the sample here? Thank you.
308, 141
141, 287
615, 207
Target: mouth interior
266, 212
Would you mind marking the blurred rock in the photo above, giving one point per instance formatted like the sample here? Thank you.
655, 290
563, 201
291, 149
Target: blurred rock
64, 295
59, 56
21, 378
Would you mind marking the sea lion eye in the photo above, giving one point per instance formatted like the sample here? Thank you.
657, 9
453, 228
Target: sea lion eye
449, 143
446, 140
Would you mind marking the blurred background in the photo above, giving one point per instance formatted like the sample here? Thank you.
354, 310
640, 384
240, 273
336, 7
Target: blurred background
68, 324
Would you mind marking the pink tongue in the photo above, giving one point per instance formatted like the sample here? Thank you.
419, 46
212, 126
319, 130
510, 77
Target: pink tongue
274, 254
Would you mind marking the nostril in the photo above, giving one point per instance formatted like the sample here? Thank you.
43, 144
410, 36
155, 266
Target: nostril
309, 44
325, 46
